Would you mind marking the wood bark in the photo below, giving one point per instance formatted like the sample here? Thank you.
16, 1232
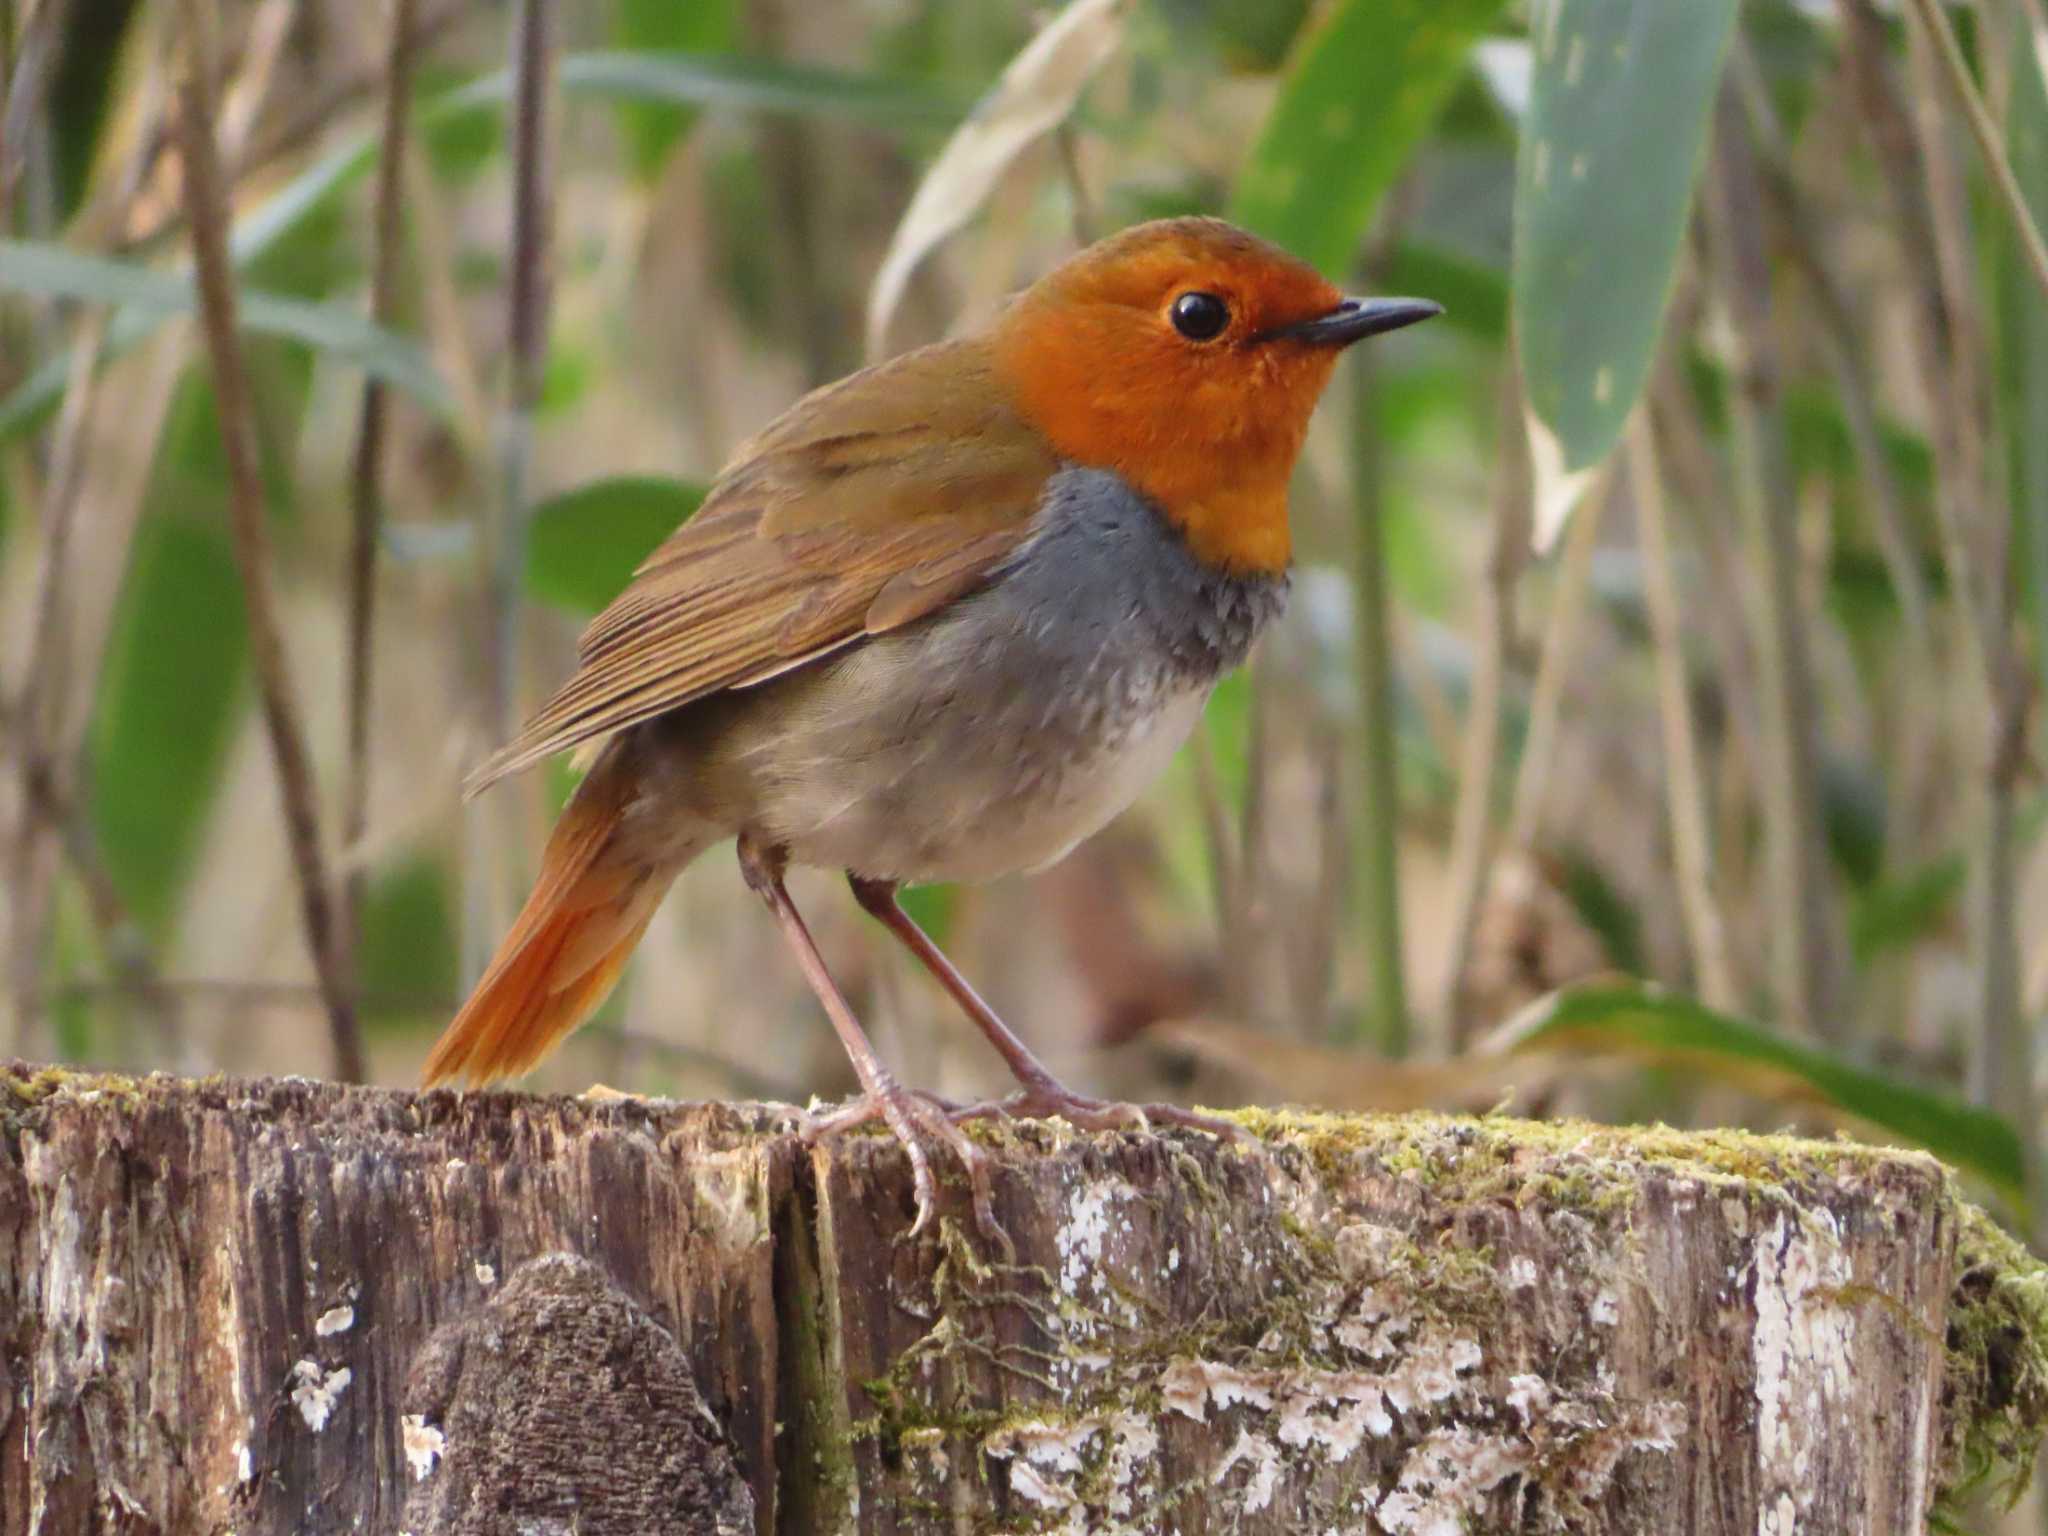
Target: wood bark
287, 1306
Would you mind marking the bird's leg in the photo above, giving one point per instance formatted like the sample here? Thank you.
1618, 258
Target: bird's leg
1042, 1094
905, 1113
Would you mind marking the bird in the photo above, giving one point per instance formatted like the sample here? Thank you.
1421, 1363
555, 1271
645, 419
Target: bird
939, 621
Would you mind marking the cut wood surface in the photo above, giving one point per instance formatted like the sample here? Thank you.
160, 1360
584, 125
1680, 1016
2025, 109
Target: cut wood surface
288, 1306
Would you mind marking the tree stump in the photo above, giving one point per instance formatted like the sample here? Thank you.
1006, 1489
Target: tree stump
294, 1307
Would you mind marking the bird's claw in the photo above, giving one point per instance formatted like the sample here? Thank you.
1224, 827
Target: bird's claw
912, 1115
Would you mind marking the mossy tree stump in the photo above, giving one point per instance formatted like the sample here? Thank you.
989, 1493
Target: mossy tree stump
288, 1306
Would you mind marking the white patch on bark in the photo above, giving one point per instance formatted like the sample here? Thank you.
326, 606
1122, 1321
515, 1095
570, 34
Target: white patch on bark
1264, 1459
1802, 1347
423, 1445
334, 1320
316, 1391
1528, 1395
1045, 1457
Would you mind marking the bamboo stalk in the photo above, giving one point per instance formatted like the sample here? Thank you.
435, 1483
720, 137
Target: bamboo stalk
303, 124
1553, 668
31, 874
1795, 871
1841, 349
1989, 143
35, 45
526, 329
504, 542
1976, 542
366, 490
1472, 822
1379, 799
1691, 851
1221, 846
209, 221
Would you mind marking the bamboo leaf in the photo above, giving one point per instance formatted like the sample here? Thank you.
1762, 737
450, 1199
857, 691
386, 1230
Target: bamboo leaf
1666, 1029
1033, 97
726, 80
51, 271
96, 50
406, 959
1252, 35
1619, 105
1474, 295
653, 129
583, 546
671, 79
1362, 91
1899, 911
170, 694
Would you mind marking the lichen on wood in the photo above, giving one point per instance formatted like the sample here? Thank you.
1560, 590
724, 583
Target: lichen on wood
291, 1306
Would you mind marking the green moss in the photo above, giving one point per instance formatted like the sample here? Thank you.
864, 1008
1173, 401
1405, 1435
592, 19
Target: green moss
1995, 1388
24, 1090
1586, 1167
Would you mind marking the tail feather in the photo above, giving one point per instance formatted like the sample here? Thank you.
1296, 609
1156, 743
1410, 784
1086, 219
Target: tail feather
566, 949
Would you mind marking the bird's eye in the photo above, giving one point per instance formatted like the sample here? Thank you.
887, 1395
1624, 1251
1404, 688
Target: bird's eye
1200, 316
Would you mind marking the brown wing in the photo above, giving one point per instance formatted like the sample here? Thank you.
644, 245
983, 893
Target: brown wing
868, 504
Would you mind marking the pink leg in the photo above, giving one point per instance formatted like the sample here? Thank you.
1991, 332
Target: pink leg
910, 1117
1042, 1095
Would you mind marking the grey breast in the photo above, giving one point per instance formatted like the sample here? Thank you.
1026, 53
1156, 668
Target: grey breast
995, 734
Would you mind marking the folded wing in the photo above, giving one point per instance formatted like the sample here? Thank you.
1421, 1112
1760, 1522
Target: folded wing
867, 505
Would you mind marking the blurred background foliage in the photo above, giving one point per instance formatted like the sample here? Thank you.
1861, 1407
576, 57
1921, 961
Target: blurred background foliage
1653, 732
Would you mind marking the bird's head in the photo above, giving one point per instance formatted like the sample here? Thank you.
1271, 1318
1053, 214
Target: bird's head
1188, 355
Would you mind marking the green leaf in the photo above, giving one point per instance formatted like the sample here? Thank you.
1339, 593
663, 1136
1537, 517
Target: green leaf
51, 271
1474, 295
1894, 913
1670, 1030
584, 545
406, 961
728, 80
90, 59
645, 26
1362, 91
932, 908
1616, 920
1620, 102
1250, 34
169, 697
671, 79
69, 965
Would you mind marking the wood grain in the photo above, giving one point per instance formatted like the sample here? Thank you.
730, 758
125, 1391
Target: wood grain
292, 1306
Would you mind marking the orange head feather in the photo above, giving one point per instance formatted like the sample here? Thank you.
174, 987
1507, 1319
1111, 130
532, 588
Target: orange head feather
1187, 355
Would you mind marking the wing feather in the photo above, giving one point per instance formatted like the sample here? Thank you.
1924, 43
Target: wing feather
869, 504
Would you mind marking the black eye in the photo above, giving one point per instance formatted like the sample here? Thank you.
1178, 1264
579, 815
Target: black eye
1200, 316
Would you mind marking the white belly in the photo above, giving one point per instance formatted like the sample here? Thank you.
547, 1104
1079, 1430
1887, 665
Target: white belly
960, 783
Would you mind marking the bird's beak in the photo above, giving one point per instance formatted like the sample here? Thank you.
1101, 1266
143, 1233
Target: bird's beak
1353, 320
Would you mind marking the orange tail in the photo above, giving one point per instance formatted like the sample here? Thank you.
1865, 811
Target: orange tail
565, 951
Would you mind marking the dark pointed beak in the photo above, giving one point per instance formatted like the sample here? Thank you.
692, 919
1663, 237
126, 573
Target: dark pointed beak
1354, 320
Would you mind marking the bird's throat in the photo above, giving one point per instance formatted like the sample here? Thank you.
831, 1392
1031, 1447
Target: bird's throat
1237, 529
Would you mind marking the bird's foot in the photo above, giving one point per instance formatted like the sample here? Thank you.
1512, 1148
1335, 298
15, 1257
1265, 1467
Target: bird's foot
912, 1117
1046, 1098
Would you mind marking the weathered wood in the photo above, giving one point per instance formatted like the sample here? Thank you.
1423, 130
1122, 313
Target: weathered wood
289, 1306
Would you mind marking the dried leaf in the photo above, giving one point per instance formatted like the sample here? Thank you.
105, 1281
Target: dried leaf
1033, 97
